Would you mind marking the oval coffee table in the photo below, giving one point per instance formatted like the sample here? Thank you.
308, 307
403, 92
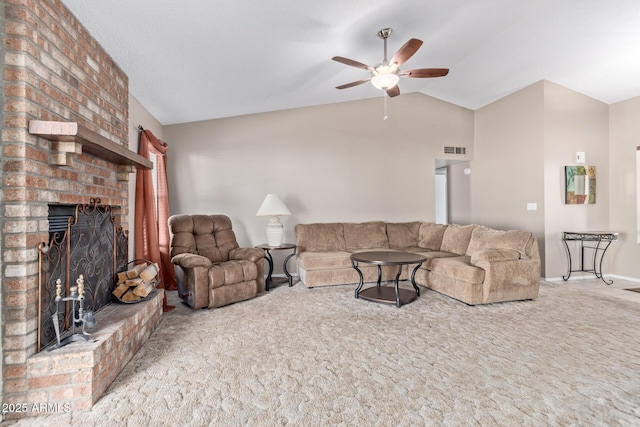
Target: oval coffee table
386, 294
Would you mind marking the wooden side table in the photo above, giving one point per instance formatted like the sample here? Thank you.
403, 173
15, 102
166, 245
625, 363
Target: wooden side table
269, 258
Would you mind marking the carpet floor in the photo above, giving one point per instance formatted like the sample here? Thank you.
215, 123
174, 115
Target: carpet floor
319, 357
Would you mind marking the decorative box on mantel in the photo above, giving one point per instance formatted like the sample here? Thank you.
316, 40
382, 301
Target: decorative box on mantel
70, 138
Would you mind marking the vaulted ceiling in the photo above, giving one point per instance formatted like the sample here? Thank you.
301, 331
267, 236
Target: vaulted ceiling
193, 60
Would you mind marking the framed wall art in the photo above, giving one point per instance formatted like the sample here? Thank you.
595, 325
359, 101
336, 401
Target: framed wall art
580, 185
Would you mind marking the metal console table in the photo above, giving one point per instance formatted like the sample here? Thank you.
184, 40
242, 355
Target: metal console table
598, 241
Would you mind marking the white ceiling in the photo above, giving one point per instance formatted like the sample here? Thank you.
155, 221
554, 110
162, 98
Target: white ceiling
193, 60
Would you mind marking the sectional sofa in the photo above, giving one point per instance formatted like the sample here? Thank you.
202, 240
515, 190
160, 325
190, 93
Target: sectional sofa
471, 263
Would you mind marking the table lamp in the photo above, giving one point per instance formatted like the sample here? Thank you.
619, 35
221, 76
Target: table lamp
273, 207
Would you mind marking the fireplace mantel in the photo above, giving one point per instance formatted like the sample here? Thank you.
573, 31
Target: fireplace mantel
69, 138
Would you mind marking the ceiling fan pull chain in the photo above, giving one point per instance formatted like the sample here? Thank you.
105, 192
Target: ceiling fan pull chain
385, 107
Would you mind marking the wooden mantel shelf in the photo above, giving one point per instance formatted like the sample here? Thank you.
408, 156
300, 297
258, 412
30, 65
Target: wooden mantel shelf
72, 138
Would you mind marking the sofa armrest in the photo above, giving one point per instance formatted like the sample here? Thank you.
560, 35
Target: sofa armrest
507, 276
494, 255
247, 254
187, 260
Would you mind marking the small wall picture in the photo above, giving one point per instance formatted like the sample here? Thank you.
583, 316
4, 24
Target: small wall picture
580, 185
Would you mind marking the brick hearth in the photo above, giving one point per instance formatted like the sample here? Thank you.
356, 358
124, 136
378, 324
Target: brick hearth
75, 376
53, 70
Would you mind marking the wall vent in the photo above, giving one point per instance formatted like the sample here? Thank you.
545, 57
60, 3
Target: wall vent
455, 150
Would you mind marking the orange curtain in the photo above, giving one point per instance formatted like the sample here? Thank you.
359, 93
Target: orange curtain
151, 231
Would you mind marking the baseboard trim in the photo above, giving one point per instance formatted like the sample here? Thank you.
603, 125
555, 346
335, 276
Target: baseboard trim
587, 277
281, 275
620, 277
573, 278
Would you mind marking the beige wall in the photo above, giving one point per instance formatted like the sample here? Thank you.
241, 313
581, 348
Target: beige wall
138, 116
522, 143
342, 162
573, 122
624, 138
338, 162
508, 169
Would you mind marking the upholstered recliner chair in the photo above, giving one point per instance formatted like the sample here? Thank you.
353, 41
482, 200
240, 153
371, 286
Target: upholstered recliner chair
215, 270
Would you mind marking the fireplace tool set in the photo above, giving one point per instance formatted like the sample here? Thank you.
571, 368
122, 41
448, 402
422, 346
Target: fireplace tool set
84, 318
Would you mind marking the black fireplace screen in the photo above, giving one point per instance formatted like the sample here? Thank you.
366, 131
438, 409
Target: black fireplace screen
83, 240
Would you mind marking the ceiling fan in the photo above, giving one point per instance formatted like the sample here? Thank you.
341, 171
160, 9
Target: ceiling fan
385, 76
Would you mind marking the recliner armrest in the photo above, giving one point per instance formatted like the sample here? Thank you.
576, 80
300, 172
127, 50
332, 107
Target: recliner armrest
187, 260
248, 254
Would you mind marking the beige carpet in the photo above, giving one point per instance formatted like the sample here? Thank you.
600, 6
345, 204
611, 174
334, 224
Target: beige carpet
319, 357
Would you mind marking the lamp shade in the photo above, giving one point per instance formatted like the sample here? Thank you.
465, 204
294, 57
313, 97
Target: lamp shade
273, 206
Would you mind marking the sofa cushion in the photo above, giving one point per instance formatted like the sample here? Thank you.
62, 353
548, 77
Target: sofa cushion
325, 260
207, 235
402, 235
516, 240
232, 272
357, 251
183, 239
456, 238
320, 237
458, 268
430, 235
365, 235
414, 250
494, 255
479, 241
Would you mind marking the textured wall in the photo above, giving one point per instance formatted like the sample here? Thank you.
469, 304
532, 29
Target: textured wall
624, 131
53, 70
573, 122
337, 162
508, 169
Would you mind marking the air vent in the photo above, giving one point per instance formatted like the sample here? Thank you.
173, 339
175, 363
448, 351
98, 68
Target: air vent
59, 216
455, 150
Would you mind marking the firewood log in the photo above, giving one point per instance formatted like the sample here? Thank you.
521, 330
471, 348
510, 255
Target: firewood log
120, 290
134, 282
122, 277
135, 271
150, 273
130, 296
143, 290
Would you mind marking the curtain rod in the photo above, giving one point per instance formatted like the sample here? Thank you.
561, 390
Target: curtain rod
141, 129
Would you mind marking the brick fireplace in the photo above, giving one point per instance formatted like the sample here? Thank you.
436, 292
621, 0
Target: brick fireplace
54, 71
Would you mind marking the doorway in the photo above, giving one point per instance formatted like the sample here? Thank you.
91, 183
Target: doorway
442, 196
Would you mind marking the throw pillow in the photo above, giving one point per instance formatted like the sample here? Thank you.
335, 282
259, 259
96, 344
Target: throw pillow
456, 238
403, 235
320, 237
366, 235
430, 236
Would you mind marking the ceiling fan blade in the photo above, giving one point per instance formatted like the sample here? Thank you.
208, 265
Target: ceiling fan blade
351, 62
352, 84
394, 91
425, 72
406, 51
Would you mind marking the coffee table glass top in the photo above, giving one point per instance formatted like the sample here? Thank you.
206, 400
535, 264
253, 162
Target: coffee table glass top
388, 257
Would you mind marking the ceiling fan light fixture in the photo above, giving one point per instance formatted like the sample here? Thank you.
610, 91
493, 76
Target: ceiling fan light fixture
385, 81
386, 75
